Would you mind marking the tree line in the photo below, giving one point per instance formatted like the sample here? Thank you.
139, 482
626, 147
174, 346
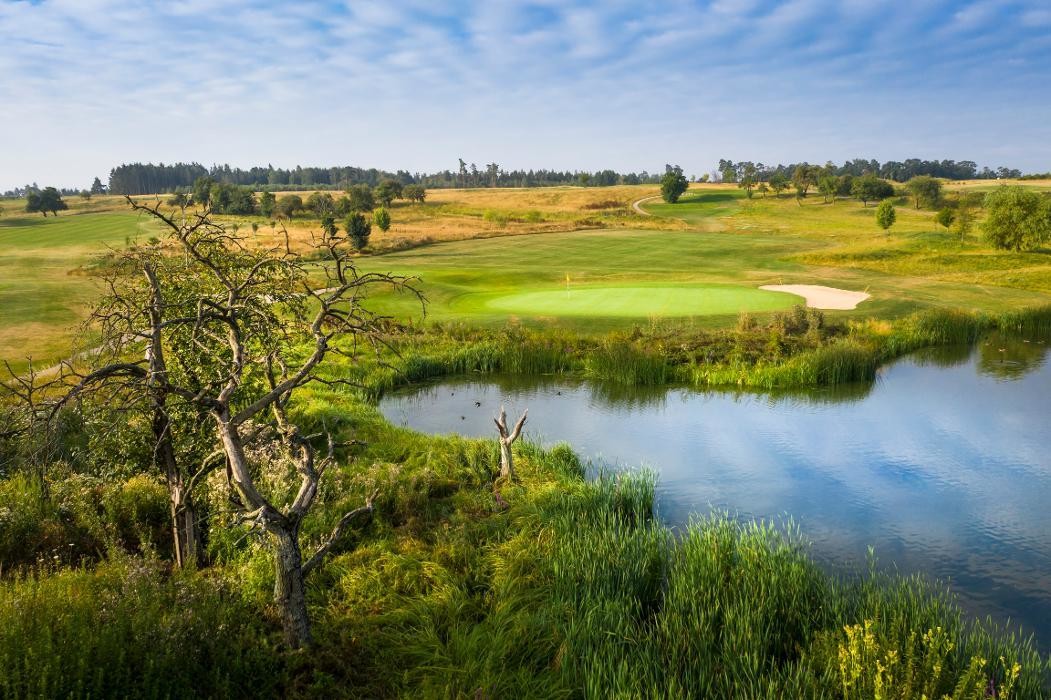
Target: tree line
149, 178
899, 171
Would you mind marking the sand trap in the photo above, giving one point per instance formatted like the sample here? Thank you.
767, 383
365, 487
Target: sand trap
820, 297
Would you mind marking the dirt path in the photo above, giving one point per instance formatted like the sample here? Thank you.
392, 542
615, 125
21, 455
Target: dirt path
640, 210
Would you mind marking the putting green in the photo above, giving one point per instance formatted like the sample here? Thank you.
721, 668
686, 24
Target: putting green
643, 301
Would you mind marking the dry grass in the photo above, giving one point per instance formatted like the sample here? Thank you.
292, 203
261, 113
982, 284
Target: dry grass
457, 214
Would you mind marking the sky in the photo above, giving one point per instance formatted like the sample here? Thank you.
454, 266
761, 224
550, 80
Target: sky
88, 84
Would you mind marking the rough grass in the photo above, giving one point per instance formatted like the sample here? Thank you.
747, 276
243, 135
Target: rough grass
459, 214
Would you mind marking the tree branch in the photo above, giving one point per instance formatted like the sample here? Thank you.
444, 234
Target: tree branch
338, 531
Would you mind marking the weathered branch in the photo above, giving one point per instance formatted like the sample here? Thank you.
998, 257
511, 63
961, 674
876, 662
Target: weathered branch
338, 531
508, 438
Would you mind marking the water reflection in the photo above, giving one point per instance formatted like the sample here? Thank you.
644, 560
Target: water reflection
1007, 357
942, 464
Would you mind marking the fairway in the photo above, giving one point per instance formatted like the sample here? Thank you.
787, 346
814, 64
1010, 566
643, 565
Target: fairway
44, 290
643, 301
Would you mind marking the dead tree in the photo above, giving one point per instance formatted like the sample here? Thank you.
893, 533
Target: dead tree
506, 439
231, 334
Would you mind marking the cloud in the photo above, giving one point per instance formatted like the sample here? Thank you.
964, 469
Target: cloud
359, 81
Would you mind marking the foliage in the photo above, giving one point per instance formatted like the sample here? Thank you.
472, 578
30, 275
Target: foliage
886, 215
358, 229
963, 222
1017, 218
287, 206
320, 205
387, 191
945, 217
361, 198
870, 188
926, 190
202, 188
415, 193
804, 176
747, 179
673, 184
828, 186
381, 218
267, 204
44, 201
230, 199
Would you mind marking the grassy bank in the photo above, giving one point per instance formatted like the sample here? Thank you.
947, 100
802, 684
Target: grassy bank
795, 349
551, 587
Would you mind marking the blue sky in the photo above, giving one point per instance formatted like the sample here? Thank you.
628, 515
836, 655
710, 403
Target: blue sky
88, 84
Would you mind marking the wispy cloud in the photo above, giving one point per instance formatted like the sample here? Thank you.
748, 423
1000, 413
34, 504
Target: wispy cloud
413, 84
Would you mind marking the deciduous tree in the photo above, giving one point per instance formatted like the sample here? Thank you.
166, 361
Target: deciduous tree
871, 188
1017, 218
387, 191
926, 190
415, 193
44, 201
804, 177
231, 351
886, 215
361, 198
287, 206
747, 179
828, 186
778, 183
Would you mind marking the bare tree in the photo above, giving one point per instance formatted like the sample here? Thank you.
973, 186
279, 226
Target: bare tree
506, 439
231, 333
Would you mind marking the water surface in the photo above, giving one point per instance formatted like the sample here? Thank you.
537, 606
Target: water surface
942, 465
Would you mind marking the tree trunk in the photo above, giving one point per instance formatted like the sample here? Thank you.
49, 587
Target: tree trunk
184, 526
507, 464
506, 439
289, 587
185, 535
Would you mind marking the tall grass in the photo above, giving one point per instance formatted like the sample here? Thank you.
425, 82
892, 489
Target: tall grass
748, 356
868, 345
552, 587
621, 361
126, 630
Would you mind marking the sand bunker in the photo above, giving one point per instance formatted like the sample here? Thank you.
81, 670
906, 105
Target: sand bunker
820, 297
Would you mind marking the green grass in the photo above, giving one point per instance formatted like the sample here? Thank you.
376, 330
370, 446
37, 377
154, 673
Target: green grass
697, 207
44, 293
630, 301
732, 241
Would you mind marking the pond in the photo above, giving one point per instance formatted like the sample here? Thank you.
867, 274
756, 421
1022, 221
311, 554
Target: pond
943, 465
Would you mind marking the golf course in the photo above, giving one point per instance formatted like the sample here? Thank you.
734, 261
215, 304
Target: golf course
718, 340
525, 349
707, 267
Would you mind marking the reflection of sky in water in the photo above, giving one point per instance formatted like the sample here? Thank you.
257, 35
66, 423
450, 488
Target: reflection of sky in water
943, 467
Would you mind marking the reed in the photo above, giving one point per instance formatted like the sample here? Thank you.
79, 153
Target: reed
624, 362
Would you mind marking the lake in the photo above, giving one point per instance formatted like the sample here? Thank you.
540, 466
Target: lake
943, 465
